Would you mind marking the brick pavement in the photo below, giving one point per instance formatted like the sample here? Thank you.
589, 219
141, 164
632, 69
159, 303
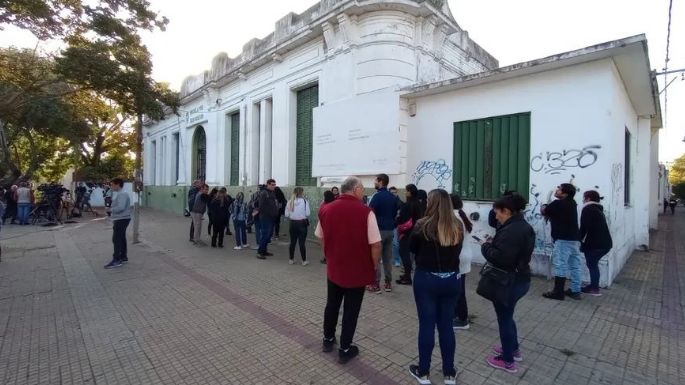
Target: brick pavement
178, 314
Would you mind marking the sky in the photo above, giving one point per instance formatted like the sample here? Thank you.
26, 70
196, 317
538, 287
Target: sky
512, 31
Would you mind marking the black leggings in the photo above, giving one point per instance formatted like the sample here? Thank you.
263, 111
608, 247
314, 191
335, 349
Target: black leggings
406, 256
298, 233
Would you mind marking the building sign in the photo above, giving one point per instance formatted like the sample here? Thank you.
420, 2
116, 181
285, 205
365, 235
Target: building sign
195, 115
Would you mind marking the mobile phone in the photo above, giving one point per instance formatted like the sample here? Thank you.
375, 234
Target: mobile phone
476, 238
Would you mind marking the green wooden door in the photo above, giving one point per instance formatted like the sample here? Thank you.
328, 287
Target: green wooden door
235, 149
491, 156
307, 99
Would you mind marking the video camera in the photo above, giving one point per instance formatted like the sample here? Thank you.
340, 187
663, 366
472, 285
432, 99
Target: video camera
52, 191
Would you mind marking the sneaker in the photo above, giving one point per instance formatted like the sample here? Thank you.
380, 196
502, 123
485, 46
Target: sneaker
590, 291
268, 254
328, 344
113, 264
246, 246
255, 247
498, 362
260, 256
124, 261
450, 380
421, 378
291, 262
387, 287
373, 289
237, 248
305, 263
344, 356
573, 295
518, 357
403, 281
458, 324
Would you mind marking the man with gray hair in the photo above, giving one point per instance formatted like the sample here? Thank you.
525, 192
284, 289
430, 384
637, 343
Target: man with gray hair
352, 245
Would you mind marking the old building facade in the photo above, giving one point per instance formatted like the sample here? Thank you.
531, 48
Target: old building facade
396, 86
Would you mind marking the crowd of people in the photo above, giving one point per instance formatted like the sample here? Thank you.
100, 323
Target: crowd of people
429, 236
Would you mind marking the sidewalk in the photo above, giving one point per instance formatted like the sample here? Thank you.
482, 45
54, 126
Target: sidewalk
179, 314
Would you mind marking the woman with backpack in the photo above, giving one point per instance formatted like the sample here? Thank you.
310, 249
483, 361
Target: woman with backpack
297, 210
239, 214
436, 241
595, 238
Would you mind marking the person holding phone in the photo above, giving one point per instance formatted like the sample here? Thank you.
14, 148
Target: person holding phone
510, 250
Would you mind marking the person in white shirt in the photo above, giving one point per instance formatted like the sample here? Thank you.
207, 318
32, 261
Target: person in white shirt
297, 210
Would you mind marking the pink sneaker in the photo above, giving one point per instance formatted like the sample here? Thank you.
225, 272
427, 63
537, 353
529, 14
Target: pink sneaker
518, 357
498, 362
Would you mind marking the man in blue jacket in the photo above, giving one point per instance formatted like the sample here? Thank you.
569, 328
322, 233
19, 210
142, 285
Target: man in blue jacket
385, 205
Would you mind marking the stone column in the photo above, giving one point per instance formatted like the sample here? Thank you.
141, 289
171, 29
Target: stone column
265, 140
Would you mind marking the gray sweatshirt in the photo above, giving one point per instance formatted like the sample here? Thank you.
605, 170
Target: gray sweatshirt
121, 206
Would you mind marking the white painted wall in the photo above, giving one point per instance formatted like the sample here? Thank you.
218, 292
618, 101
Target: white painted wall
580, 109
375, 51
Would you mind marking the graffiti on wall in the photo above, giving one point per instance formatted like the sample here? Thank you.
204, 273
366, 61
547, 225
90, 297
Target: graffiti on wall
616, 193
438, 170
555, 162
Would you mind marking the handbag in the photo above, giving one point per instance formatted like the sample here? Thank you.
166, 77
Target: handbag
495, 284
403, 228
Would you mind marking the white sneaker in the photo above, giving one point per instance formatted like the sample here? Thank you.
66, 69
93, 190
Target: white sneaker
290, 262
246, 246
305, 263
450, 380
237, 248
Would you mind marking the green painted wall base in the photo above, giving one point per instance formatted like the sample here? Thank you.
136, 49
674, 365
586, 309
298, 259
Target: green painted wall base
173, 199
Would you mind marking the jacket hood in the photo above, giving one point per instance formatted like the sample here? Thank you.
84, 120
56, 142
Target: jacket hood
591, 204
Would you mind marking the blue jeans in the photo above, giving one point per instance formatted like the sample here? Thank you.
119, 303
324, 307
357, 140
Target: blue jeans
592, 258
436, 299
566, 259
23, 211
240, 233
508, 335
396, 247
264, 229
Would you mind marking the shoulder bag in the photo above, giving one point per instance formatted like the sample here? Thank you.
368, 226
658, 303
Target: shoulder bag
495, 284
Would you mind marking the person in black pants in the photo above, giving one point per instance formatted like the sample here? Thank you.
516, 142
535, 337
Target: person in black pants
410, 212
218, 209
297, 210
595, 238
280, 197
192, 193
11, 202
121, 217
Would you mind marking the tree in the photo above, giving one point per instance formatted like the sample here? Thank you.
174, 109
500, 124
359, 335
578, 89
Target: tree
35, 116
676, 173
105, 54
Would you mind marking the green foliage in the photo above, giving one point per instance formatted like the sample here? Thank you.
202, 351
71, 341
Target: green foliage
676, 173
60, 18
679, 190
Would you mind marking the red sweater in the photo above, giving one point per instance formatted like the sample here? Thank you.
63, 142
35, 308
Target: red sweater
346, 245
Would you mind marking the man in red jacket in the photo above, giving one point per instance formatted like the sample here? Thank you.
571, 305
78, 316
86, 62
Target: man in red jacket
352, 245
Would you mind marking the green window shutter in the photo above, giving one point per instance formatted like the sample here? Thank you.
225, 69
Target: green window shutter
307, 100
235, 149
491, 155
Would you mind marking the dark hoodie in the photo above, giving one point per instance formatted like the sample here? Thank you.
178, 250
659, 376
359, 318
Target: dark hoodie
594, 231
563, 214
512, 247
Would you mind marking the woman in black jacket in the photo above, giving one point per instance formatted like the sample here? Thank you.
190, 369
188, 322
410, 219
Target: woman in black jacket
218, 210
510, 250
410, 213
595, 238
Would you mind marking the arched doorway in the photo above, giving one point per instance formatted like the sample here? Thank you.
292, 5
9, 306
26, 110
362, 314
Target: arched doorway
199, 154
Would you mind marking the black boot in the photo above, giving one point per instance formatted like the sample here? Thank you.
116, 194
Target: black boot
558, 292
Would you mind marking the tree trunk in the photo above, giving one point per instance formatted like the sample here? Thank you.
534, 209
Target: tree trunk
138, 182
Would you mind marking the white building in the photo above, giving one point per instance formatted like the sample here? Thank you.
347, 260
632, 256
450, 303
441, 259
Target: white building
363, 87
